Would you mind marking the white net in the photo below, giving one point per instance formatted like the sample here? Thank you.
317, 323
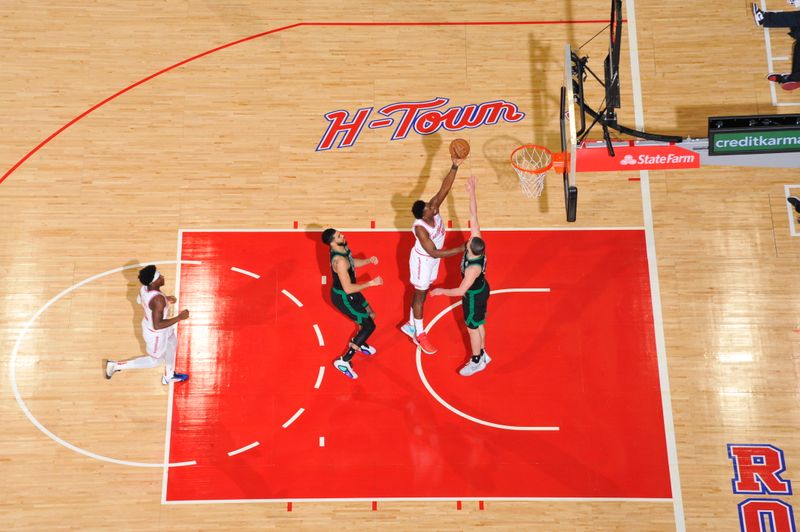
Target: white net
531, 164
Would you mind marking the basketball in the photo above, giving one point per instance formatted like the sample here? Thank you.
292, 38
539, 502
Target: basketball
459, 149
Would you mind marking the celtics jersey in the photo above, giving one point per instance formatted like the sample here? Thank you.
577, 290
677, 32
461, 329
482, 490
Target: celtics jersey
351, 271
477, 261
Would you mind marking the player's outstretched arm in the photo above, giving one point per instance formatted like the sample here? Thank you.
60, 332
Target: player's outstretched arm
447, 184
363, 262
430, 248
475, 227
340, 266
470, 274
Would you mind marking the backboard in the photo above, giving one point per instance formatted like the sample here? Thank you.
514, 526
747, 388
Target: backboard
569, 138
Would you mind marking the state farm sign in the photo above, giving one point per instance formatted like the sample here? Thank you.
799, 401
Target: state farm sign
634, 158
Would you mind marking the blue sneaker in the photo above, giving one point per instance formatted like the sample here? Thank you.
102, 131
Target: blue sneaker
410, 331
176, 377
368, 350
345, 367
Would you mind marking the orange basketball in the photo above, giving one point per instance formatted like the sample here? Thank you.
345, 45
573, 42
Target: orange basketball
459, 149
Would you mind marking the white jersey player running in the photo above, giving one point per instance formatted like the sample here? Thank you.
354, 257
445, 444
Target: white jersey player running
423, 262
158, 330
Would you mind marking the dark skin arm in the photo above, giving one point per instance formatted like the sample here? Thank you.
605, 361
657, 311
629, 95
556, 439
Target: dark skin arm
157, 305
447, 184
340, 265
430, 247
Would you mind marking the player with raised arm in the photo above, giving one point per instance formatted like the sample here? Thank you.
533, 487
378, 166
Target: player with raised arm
474, 289
429, 232
347, 297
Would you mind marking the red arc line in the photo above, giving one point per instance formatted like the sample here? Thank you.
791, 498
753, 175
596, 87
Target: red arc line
114, 96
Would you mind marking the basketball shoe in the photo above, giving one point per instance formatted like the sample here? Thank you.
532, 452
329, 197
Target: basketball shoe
422, 341
176, 377
409, 330
345, 367
110, 368
368, 350
795, 202
758, 15
471, 368
779, 78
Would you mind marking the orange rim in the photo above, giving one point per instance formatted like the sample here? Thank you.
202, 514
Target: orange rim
557, 160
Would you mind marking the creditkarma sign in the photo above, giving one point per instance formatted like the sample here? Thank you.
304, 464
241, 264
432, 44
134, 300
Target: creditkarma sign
741, 142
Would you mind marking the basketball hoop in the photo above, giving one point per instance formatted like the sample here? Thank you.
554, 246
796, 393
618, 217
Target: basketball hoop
532, 162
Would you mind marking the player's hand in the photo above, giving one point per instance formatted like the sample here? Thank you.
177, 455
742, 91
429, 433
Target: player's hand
371, 313
376, 281
172, 299
437, 292
184, 314
457, 162
373, 260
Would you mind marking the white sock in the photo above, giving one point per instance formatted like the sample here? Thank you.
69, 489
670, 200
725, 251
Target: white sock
411, 316
169, 357
418, 326
137, 363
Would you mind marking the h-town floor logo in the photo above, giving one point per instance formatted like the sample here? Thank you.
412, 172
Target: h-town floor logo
423, 117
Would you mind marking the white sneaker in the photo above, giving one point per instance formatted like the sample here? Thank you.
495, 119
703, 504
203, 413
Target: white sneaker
176, 377
368, 350
110, 368
410, 331
345, 367
472, 368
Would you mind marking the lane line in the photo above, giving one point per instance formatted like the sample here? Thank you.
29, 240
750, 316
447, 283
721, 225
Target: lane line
319, 377
319, 335
243, 449
294, 417
655, 290
290, 296
428, 499
245, 272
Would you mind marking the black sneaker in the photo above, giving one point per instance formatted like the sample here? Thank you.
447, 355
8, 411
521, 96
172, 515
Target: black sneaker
758, 15
779, 78
795, 202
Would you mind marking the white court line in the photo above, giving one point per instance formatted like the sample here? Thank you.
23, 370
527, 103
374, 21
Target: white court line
367, 230
294, 417
243, 449
168, 435
251, 274
290, 296
182, 464
655, 291
319, 335
319, 377
429, 499
450, 407
12, 370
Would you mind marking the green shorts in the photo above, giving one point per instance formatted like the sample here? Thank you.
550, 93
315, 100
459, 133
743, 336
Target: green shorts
475, 303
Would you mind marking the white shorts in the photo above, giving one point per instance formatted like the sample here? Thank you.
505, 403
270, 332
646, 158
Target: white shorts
160, 343
423, 268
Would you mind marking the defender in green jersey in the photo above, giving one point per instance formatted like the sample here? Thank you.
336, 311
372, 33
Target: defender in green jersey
347, 297
474, 289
